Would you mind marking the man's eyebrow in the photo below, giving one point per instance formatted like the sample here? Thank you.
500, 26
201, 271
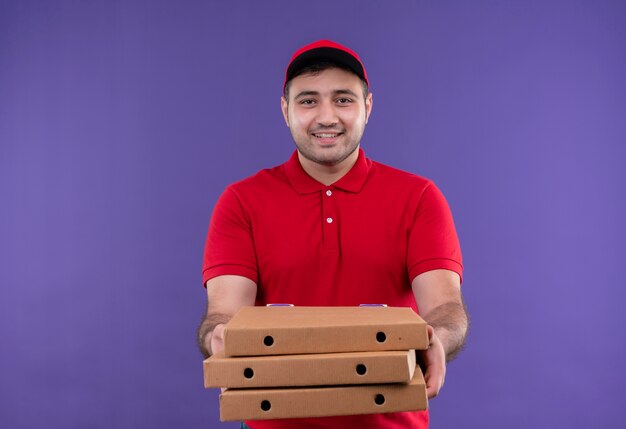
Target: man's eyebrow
345, 91
335, 92
306, 94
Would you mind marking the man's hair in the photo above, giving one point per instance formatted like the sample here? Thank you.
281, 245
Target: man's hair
318, 67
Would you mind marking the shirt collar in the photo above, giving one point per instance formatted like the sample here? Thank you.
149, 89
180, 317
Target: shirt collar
353, 180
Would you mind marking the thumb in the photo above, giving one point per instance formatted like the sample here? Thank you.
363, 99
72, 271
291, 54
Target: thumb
217, 339
431, 333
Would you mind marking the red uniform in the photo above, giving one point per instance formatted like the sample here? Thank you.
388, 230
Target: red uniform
360, 240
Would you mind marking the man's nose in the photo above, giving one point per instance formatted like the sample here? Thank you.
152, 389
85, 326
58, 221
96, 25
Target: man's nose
326, 114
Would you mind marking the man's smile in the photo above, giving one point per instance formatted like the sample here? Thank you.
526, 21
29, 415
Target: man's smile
326, 135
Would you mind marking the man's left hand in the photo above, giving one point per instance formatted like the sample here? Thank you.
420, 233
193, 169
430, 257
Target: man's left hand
434, 361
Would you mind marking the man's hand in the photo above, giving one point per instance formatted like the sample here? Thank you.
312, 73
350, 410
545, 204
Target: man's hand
434, 361
438, 297
226, 295
217, 339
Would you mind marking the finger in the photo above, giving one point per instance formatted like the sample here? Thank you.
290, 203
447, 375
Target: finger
435, 369
434, 382
434, 387
432, 392
217, 339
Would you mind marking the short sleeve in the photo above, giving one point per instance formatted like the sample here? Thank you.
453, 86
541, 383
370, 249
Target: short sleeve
229, 246
433, 241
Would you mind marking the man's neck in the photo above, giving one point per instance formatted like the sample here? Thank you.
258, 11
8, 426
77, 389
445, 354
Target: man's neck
328, 174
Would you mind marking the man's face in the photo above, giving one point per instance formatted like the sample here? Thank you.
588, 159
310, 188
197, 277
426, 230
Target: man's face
326, 114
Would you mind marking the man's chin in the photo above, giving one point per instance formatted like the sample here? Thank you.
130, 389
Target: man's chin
328, 158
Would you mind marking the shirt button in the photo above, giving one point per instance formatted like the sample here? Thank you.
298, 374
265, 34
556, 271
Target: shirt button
329, 192
329, 219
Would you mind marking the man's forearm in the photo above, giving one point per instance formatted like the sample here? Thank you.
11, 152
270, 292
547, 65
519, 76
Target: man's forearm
205, 330
451, 324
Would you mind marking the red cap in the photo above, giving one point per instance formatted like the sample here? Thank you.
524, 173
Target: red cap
325, 50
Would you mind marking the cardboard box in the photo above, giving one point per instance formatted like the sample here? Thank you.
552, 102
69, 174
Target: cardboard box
257, 331
300, 402
310, 370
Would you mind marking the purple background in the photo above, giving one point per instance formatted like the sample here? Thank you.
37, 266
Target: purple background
122, 121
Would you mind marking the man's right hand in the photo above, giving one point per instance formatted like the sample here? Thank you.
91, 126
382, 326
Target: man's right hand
226, 295
217, 339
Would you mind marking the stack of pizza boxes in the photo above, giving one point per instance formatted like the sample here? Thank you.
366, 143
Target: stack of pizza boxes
288, 362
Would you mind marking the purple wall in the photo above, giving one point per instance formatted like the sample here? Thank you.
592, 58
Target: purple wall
121, 123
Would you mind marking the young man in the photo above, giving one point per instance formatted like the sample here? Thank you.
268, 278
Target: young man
331, 227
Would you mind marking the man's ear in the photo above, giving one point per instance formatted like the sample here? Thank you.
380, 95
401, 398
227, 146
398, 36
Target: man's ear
369, 102
284, 107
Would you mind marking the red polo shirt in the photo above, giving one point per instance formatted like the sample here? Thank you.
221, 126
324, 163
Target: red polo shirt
360, 240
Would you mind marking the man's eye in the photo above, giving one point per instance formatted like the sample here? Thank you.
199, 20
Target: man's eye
307, 102
344, 100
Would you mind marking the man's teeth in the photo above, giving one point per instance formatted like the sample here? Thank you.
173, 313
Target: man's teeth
326, 136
